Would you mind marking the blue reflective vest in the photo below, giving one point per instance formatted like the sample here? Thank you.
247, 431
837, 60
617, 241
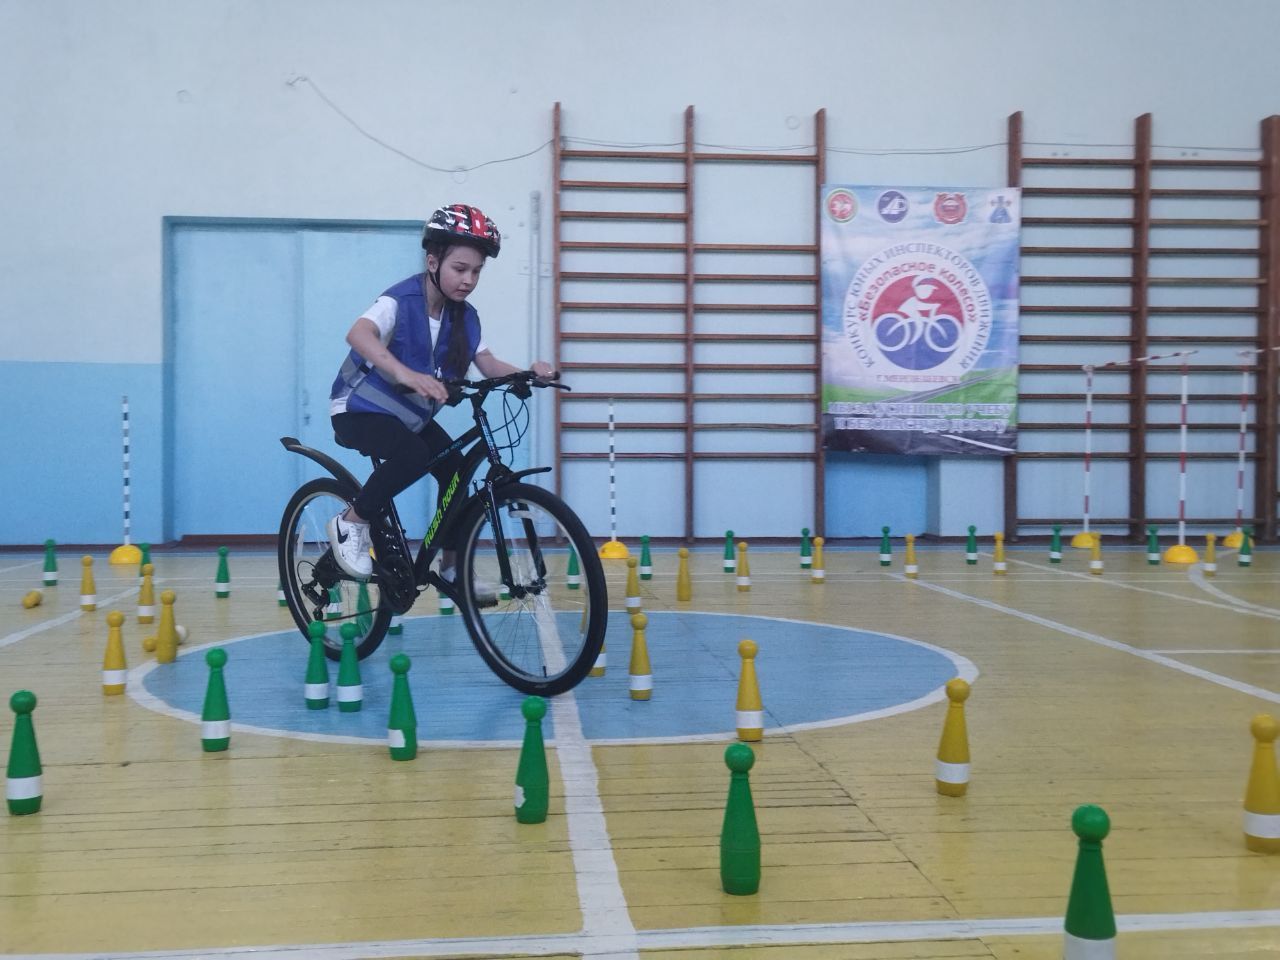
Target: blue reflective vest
368, 391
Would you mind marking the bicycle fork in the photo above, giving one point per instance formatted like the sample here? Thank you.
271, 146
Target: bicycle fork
519, 589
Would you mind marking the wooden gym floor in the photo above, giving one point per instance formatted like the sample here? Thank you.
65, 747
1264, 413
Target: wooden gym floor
1133, 691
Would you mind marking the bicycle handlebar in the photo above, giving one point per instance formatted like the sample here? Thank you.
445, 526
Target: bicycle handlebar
521, 380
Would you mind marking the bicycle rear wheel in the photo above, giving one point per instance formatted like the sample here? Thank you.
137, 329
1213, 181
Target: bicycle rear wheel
546, 637
314, 586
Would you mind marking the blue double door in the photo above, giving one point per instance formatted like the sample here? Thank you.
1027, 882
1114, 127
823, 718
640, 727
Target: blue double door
257, 317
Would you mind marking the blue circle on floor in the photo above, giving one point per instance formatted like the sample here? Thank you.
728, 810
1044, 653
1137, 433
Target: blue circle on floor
810, 674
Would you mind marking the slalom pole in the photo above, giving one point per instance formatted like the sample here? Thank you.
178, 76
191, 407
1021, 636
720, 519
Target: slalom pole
1236, 537
1084, 539
1180, 552
613, 550
126, 552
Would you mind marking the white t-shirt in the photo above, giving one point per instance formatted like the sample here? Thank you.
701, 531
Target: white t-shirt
383, 316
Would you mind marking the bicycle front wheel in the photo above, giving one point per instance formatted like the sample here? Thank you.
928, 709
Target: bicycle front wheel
541, 637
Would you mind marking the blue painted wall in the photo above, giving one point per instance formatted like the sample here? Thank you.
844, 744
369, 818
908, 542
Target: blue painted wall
61, 472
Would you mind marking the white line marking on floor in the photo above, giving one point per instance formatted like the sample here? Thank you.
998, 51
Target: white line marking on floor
603, 903
19, 566
1238, 686
59, 621
729, 937
1265, 650
1196, 574
1111, 582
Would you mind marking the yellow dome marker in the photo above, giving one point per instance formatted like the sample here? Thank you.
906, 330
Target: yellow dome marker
1262, 795
951, 772
32, 599
750, 709
114, 668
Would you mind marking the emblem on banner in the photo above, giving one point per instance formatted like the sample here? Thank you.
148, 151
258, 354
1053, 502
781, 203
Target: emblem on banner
841, 206
918, 312
892, 206
1000, 210
950, 207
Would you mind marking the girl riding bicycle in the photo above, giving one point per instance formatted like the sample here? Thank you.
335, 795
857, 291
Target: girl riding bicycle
384, 400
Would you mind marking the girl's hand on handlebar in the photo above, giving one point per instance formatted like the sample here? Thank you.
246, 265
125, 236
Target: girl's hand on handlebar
424, 385
542, 370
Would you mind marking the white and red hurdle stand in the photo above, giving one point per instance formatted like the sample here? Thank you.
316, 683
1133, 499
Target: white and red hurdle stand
1086, 538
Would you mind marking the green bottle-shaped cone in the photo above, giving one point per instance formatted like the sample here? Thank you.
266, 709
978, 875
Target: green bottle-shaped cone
533, 784
1245, 557
280, 598
971, 547
215, 718
886, 549
806, 550
146, 558
1090, 920
402, 727
730, 558
50, 564
350, 690
573, 576
222, 582
1055, 544
316, 684
397, 626
22, 788
739, 837
1153, 547
334, 610
364, 612
646, 562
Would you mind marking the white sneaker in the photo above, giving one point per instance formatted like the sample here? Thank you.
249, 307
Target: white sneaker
486, 593
350, 542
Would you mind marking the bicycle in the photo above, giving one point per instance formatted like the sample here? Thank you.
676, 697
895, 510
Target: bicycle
541, 636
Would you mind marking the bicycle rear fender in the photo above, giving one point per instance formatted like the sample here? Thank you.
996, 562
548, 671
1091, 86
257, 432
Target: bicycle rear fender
333, 466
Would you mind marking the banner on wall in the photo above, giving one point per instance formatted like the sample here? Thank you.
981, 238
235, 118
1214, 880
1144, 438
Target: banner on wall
920, 319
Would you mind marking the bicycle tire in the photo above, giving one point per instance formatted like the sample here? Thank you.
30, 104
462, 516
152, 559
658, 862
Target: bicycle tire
298, 573
892, 324
544, 639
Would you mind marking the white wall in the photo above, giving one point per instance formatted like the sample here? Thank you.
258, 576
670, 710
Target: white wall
117, 113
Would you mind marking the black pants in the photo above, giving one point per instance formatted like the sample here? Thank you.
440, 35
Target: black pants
405, 456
